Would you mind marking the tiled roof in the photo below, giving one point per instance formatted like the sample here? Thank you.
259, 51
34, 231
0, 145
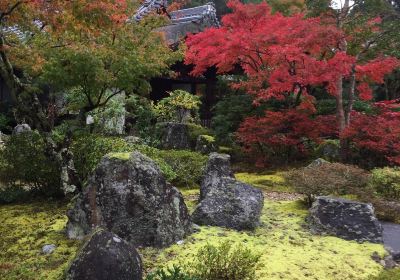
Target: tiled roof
183, 22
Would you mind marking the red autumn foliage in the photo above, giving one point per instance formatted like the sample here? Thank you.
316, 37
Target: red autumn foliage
281, 55
279, 134
377, 137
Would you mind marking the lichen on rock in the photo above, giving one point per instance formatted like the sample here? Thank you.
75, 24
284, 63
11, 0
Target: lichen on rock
130, 197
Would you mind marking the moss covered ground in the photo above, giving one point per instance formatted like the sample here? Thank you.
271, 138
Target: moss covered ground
24, 230
288, 250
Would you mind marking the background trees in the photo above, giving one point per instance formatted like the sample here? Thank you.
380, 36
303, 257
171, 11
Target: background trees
287, 58
84, 48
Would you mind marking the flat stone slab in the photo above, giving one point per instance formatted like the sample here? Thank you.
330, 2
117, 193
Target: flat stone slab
350, 220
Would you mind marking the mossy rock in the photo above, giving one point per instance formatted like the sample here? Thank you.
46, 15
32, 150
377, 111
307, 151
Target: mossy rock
205, 144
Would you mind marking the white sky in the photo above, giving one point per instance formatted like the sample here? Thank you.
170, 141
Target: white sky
337, 4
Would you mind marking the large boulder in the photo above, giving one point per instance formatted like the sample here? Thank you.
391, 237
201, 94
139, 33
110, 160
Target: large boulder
106, 256
224, 201
346, 219
174, 136
129, 196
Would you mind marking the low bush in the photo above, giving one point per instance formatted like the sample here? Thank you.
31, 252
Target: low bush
188, 166
181, 106
225, 262
174, 273
13, 194
325, 178
24, 163
88, 150
386, 182
195, 131
214, 262
328, 150
180, 167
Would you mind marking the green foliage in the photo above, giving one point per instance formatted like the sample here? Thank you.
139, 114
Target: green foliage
228, 114
181, 106
195, 131
174, 273
141, 119
88, 150
328, 150
324, 178
23, 162
13, 194
188, 166
107, 120
386, 182
225, 262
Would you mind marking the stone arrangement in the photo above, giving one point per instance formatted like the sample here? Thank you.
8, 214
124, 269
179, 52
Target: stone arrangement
106, 256
129, 196
346, 219
224, 201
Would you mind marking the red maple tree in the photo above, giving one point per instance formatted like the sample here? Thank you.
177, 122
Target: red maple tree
284, 57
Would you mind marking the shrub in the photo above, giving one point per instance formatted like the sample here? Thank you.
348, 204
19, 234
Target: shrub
181, 106
141, 119
174, 273
386, 182
188, 166
375, 139
279, 135
328, 150
195, 131
13, 194
324, 178
23, 162
88, 150
225, 262
229, 113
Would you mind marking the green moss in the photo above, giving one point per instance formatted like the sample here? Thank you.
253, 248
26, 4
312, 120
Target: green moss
266, 181
24, 230
208, 138
122, 156
288, 251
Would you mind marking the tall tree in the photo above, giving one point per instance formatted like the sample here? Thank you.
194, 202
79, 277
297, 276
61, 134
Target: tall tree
86, 46
283, 57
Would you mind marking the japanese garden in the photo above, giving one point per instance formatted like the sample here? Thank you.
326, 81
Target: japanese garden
200, 140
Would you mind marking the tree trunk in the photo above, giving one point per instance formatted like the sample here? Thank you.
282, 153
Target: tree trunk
341, 118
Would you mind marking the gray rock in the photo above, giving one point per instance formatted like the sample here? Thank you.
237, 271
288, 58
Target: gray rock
130, 197
205, 144
21, 128
217, 168
224, 201
346, 219
174, 136
48, 249
106, 256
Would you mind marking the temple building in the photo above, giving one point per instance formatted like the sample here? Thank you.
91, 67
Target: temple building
182, 23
